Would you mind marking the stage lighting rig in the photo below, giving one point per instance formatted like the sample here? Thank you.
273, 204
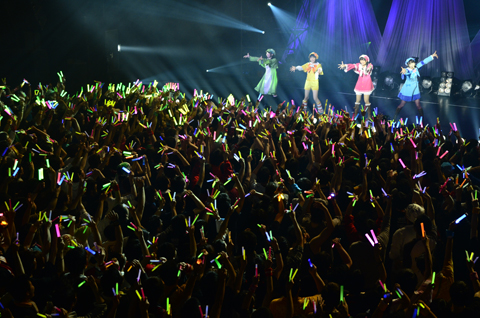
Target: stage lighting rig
119, 48
446, 83
269, 4
427, 85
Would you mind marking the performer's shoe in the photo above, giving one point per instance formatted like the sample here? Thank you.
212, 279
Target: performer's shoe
355, 110
368, 109
319, 108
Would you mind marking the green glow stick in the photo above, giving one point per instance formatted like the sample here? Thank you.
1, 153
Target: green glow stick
341, 293
433, 278
40, 174
81, 284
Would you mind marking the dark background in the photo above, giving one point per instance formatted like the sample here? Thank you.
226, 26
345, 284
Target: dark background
80, 37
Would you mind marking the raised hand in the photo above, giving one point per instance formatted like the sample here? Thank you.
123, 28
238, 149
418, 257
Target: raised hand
403, 70
435, 54
247, 56
292, 69
342, 66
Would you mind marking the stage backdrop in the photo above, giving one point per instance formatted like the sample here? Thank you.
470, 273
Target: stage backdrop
337, 30
418, 28
476, 57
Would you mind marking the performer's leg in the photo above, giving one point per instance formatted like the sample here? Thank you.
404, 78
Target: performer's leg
419, 107
368, 106
399, 108
317, 101
307, 95
357, 105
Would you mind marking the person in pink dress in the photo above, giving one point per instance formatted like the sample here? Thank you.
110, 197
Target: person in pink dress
364, 83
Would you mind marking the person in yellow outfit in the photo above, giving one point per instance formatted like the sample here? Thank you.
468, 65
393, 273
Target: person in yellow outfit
313, 70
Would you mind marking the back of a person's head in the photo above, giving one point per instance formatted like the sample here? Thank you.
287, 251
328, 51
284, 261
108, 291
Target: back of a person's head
64, 296
168, 272
459, 294
216, 157
427, 224
166, 250
408, 280
154, 288
440, 308
413, 211
133, 249
20, 288
224, 204
75, 260
190, 308
178, 184
249, 241
263, 175
331, 296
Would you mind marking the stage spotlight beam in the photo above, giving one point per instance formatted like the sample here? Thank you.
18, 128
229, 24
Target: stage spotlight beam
285, 20
269, 4
119, 48
192, 13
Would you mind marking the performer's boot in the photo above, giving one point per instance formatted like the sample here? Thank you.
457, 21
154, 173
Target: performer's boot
396, 113
368, 109
320, 108
355, 111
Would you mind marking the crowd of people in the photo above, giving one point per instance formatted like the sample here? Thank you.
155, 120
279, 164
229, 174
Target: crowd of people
136, 201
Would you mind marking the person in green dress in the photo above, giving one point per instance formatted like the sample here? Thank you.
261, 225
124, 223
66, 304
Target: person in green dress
269, 81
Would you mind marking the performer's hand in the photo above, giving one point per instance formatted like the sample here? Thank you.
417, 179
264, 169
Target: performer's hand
341, 66
292, 69
247, 56
435, 54
260, 58
403, 71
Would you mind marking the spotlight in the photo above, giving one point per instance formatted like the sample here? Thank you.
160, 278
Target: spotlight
446, 83
467, 87
263, 32
207, 71
119, 48
427, 85
269, 4
389, 81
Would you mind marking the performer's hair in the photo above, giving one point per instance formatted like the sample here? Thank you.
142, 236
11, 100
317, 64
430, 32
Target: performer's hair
313, 56
362, 58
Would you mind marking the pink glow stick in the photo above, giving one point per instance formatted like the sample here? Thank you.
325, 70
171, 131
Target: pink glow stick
401, 162
441, 157
57, 229
369, 239
413, 143
260, 99
374, 236
438, 151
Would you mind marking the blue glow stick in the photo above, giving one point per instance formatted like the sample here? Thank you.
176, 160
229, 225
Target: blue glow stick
460, 218
126, 170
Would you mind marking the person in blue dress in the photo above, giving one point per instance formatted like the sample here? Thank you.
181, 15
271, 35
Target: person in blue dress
410, 90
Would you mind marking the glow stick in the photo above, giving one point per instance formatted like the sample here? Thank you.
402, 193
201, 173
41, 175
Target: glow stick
57, 229
460, 218
441, 157
401, 162
383, 286
374, 236
341, 293
423, 229
369, 239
